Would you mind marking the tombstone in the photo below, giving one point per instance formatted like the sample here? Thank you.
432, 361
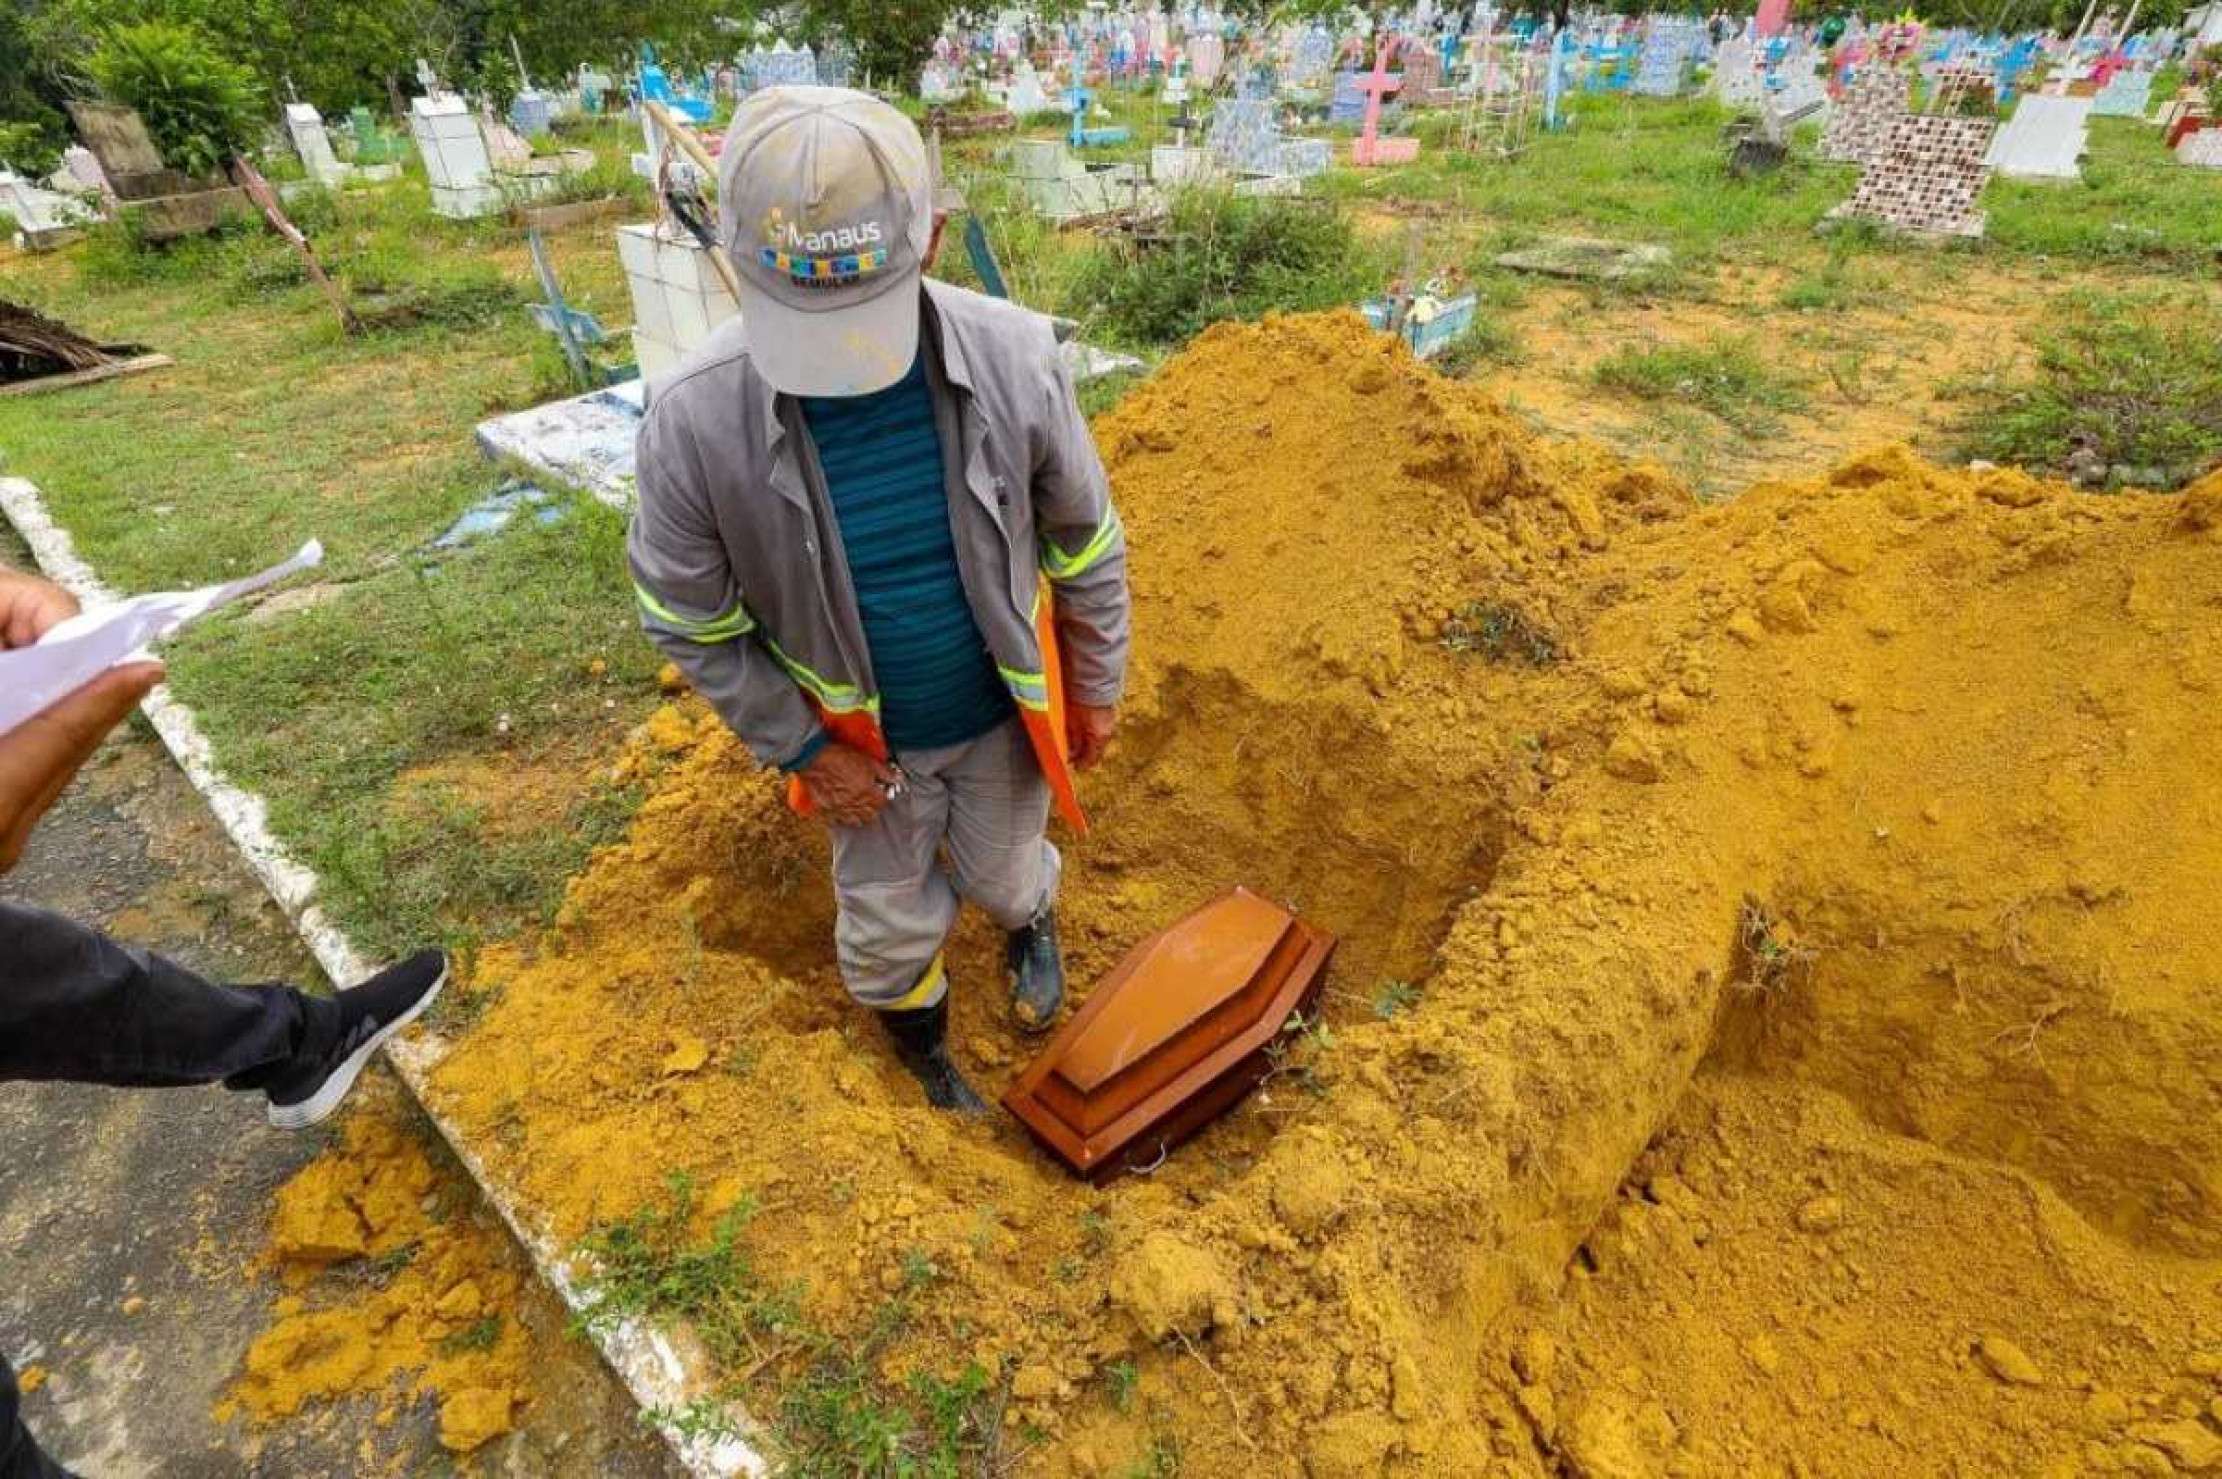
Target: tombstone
1371, 149
1246, 139
1737, 80
1207, 53
1662, 67
1062, 188
2127, 94
163, 202
1773, 18
2044, 140
1347, 102
1878, 97
1025, 96
678, 294
937, 83
531, 113
305, 127
594, 85
379, 152
2201, 149
44, 219
1925, 176
456, 162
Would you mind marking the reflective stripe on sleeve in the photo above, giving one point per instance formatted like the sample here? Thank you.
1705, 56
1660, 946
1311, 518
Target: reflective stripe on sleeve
710, 629
1058, 565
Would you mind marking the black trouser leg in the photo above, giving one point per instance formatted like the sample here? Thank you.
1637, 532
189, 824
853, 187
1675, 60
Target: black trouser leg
20, 1456
77, 1005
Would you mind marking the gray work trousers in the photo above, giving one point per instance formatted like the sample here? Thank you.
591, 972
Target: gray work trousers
984, 804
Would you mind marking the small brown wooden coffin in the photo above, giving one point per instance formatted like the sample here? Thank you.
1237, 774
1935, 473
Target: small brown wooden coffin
1173, 1037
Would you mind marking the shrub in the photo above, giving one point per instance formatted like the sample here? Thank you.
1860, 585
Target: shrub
2129, 380
1228, 256
199, 107
29, 148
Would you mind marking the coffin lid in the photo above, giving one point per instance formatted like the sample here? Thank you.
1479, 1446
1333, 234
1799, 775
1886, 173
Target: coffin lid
1174, 1035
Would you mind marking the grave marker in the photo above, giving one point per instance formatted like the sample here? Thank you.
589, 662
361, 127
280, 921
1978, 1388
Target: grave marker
1926, 176
2044, 140
1871, 107
1371, 149
305, 127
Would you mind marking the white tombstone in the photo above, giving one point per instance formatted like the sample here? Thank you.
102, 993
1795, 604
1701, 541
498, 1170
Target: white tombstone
305, 126
2044, 140
2202, 150
41, 216
1025, 96
678, 296
456, 163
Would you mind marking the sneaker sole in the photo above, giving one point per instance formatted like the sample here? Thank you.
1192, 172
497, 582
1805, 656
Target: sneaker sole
319, 1105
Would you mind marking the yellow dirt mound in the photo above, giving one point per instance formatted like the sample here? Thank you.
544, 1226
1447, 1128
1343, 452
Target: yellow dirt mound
400, 1291
1890, 798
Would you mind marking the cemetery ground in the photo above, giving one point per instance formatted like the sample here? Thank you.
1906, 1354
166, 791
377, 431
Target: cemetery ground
438, 730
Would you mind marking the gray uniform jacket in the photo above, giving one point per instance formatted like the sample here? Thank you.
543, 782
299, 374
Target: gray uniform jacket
737, 560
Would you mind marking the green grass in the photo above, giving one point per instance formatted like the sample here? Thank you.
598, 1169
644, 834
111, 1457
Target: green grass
1727, 377
2120, 380
275, 427
832, 1414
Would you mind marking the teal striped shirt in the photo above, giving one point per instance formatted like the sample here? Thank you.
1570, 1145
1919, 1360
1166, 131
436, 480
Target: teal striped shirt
881, 454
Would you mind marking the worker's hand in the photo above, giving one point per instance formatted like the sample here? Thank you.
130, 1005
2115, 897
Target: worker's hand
848, 786
38, 757
1088, 731
30, 607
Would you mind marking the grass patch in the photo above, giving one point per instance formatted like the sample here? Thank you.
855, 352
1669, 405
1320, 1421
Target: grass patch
1228, 256
1727, 377
2120, 380
836, 1415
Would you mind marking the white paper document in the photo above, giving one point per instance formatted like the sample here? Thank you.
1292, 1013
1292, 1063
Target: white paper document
34, 679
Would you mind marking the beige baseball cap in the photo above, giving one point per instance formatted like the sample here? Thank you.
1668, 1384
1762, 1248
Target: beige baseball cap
825, 198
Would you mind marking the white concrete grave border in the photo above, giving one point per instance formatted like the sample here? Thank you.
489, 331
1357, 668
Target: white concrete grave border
653, 1369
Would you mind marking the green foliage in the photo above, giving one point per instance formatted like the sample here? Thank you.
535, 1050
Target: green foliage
1229, 256
2126, 379
1727, 377
891, 41
30, 148
1491, 341
649, 1264
1501, 633
200, 108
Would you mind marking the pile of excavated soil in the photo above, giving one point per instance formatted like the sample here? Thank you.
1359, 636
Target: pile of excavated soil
398, 1291
1891, 798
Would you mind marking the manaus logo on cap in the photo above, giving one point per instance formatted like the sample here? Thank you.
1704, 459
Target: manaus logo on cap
831, 258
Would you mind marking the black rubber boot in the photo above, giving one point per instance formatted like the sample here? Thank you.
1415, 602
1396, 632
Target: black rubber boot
1036, 968
922, 1043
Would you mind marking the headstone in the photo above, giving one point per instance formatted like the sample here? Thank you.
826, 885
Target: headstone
43, 218
1925, 176
456, 162
305, 126
531, 113
2044, 140
1662, 67
1347, 103
2127, 94
1878, 97
1370, 148
1737, 80
1774, 17
678, 295
2202, 150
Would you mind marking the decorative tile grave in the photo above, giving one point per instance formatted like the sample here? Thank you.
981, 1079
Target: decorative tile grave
2044, 140
1926, 176
1246, 138
1737, 80
678, 295
2127, 94
1878, 97
1663, 66
2202, 149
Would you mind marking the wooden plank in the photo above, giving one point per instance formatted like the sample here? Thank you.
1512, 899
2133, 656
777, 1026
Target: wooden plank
92, 376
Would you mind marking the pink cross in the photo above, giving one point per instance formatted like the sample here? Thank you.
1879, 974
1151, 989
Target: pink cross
1371, 148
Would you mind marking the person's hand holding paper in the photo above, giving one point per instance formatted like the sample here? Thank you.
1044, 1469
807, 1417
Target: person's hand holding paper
68, 677
38, 757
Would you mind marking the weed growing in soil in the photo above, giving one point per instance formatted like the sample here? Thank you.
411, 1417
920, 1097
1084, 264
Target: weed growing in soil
1727, 377
835, 1414
1225, 256
1395, 997
2131, 381
1769, 962
1501, 633
1490, 342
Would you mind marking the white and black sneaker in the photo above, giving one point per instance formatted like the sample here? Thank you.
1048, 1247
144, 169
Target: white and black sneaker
369, 1014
